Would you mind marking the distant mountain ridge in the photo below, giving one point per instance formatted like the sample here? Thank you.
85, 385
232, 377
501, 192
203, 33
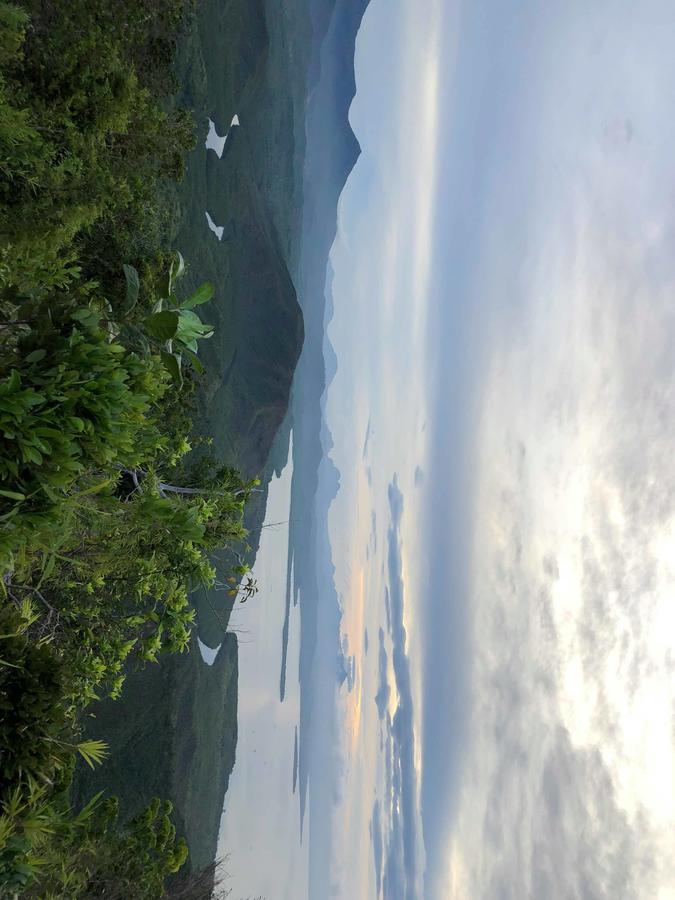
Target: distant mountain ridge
324, 14
332, 151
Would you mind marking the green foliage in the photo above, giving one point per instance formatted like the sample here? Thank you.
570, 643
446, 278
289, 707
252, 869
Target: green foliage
173, 324
49, 852
143, 553
85, 499
32, 717
84, 136
90, 855
24, 821
71, 402
13, 23
105, 534
105, 524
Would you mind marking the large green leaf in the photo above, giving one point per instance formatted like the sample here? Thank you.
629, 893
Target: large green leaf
165, 286
172, 363
162, 325
12, 384
202, 295
191, 327
95, 488
176, 271
190, 321
133, 287
86, 316
196, 361
177, 266
13, 495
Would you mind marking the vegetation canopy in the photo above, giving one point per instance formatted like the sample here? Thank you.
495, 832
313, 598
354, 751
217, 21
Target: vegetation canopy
106, 521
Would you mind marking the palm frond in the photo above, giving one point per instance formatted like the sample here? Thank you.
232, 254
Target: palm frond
93, 752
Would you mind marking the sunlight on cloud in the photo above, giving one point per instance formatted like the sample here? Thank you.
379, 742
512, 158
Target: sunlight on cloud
575, 572
569, 781
352, 629
575, 576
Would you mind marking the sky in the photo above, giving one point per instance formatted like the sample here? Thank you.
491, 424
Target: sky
260, 821
503, 539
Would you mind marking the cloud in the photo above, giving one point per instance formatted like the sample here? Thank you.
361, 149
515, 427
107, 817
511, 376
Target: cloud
568, 782
376, 838
402, 865
383, 690
366, 440
387, 609
578, 798
572, 735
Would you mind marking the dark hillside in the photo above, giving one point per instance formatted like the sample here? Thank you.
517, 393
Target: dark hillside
162, 747
224, 69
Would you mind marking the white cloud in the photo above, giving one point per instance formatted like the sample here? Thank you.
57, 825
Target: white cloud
569, 788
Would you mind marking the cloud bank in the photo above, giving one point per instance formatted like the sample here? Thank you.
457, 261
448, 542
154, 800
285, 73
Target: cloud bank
569, 781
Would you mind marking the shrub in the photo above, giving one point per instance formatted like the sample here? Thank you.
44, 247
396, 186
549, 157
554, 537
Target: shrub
98, 551
32, 716
92, 855
72, 402
143, 552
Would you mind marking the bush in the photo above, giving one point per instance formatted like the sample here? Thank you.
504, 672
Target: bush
72, 402
32, 716
49, 853
89, 431
91, 855
83, 140
144, 552
103, 529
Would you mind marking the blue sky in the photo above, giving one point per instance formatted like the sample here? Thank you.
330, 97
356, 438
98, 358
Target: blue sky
502, 418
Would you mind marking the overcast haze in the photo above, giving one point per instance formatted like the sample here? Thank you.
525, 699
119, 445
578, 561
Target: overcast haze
503, 424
